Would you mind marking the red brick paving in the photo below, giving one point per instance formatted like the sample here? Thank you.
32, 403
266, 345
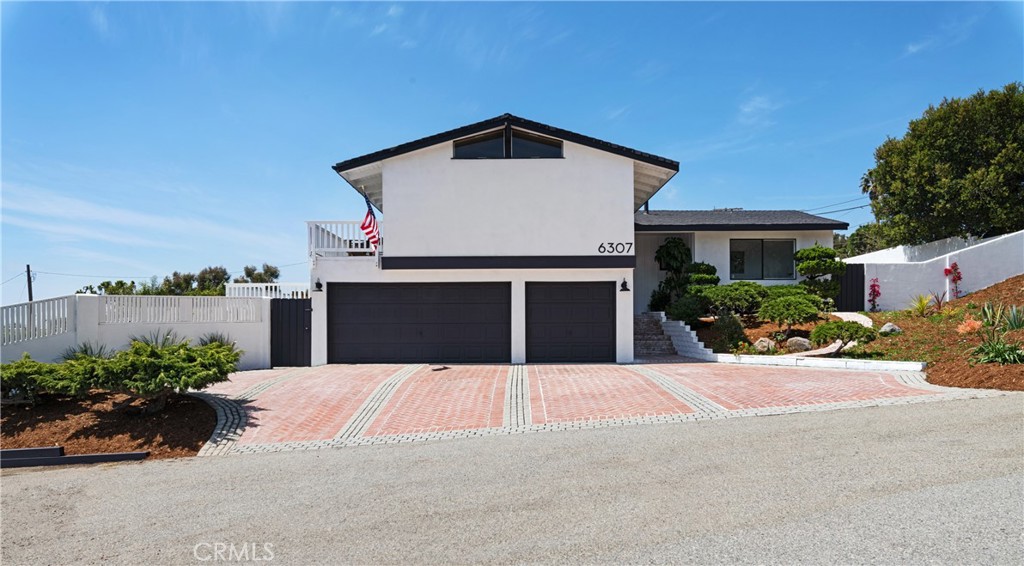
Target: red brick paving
750, 387
560, 393
457, 398
314, 406
243, 380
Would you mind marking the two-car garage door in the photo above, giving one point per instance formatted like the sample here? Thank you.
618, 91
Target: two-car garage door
468, 322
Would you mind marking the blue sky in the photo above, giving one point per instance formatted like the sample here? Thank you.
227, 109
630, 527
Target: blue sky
143, 138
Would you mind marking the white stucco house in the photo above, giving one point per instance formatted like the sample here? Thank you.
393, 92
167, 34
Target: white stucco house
509, 240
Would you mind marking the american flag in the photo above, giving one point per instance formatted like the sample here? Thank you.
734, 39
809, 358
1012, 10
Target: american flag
369, 227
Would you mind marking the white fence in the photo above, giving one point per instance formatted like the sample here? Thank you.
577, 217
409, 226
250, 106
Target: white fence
268, 290
908, 271
44, 329
337, 238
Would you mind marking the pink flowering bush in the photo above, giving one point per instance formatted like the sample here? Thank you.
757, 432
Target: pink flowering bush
874, 292
955, 277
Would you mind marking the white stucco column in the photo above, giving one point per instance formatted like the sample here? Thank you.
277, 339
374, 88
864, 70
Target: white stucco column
318, 330
518, 321
624, 319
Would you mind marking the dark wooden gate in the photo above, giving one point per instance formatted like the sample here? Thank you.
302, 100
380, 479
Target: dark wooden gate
851, 289
290, 322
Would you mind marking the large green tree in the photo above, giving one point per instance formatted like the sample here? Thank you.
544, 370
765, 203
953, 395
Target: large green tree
958, 171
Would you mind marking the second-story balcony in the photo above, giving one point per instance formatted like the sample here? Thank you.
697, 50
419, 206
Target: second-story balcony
339, 238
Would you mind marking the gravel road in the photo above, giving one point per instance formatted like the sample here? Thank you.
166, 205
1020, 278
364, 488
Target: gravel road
930, 482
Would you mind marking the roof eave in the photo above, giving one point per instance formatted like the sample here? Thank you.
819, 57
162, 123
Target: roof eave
737, 227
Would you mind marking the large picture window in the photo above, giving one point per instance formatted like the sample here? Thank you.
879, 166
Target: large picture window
761, 259
507, 144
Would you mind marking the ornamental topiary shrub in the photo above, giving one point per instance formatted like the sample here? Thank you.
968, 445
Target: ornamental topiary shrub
742, 297
779, 291
844, 331
821, 267
703, 279
672, 256
689, 309
787, 311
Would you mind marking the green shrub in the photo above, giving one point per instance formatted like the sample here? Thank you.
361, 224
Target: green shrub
25, 380
921, 305
689, 309
660, 298
701, 268
673, 255
86, 349
821, 268
22, 380
844, 331
703, 279
742, 297
779, 291
995, 349
787, 311
1014, 318
155, 369
729, 333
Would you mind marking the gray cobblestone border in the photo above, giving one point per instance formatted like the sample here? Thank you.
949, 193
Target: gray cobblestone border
684, 394
517, 398
231, 419
375, 403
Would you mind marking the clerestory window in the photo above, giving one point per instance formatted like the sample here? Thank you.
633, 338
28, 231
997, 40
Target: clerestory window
507, 144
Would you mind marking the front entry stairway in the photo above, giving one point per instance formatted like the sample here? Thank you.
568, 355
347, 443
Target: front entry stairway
654, 335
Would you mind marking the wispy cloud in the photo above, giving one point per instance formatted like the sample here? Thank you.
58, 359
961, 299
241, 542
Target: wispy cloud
953, 32
99, 22
616, 113
72, 219
757, 110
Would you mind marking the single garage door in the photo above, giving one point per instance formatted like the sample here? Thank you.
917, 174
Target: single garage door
419, 322
570, 322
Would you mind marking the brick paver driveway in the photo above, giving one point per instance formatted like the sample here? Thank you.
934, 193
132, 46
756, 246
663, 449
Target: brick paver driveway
342, 405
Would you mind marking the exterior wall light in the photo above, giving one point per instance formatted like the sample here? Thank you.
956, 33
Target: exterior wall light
319, 286
624, 288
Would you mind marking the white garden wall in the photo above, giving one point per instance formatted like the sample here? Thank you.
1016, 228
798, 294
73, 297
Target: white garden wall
113, 320
982, 264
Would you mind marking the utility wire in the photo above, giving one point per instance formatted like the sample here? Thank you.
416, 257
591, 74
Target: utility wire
844, 209
836, 204
12, 278
118, 276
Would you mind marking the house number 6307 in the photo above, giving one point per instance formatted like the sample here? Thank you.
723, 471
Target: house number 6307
615, 247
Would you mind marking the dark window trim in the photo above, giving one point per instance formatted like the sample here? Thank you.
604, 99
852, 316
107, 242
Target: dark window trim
508, 131
762, 277
509, 262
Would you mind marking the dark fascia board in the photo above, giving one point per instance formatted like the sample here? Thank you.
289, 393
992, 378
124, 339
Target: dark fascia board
737, 227
499, 121
509, 262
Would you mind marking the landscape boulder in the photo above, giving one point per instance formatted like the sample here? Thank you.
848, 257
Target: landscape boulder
889, 328
798, 344
764, 345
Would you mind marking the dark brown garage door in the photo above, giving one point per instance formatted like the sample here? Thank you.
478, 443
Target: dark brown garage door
419, 322
570, 322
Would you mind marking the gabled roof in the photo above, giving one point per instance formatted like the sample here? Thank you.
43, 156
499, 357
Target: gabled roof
651, 172
732, 219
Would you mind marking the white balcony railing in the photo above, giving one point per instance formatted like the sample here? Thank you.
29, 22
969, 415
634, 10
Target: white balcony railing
337, 238
268, 290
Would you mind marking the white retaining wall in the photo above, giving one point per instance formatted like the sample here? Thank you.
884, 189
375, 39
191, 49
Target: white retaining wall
900, 279
113, 320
